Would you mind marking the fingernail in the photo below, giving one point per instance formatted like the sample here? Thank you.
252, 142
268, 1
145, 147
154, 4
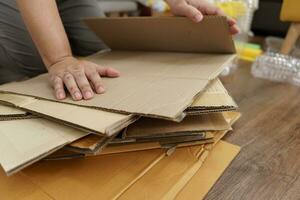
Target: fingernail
198, 18
77, 96
88, 95
60, 95
100, 89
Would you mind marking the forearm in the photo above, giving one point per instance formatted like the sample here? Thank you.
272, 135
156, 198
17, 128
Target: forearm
46, 29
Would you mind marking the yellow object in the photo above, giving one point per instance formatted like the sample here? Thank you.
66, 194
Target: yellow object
234, 9
290, 11
247, 51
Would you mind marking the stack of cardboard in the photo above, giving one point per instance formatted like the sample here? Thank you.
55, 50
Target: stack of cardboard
154, 134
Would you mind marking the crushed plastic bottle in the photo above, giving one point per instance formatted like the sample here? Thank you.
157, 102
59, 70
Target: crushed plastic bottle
277, 67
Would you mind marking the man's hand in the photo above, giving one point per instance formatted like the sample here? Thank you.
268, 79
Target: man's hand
81, 78
195, 9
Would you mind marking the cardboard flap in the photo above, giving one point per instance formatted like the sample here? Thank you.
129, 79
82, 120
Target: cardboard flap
172, 34
194, 123
29, 140
10, 111
71, 115
214, 95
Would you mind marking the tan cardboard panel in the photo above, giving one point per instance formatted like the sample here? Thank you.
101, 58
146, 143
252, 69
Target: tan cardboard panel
9, 111
172, 34
80, 117
174, 80
213, 167
194, 123
214, 96
23, 142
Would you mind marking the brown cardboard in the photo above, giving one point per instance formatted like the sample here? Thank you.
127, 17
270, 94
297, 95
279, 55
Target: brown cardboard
82, 118
9, 111
89, 178
147, 127
23, 142
174, 173
215, 92
105, 177
154, 84
214, 98
211, 35
90, 144
213, 167
93, 141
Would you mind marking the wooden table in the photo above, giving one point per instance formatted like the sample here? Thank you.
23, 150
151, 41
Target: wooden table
268, 166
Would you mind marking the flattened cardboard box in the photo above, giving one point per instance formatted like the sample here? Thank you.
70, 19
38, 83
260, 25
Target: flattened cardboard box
105, 177
217, 161
111, 122
147, 127
23, 142
88, 144
214, 98
82, 118
173, 78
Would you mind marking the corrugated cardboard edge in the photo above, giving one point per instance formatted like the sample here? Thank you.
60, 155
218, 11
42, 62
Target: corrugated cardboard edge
109, 130
30, 162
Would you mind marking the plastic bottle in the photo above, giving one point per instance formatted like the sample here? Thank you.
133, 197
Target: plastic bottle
277, 67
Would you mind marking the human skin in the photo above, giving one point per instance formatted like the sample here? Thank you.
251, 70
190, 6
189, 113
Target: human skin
81, 78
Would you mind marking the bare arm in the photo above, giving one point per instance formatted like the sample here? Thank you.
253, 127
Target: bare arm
45, 26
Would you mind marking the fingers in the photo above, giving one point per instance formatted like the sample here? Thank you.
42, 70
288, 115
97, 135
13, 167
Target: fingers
72, 87
108, 72
95, 78
58, 86
189, 11
83, 84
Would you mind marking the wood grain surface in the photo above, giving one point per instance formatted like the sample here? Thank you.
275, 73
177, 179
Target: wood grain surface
268, 167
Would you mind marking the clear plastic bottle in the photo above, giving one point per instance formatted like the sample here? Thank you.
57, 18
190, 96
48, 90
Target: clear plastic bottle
277, 67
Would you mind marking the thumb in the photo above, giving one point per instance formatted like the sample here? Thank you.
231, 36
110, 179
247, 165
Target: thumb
189, 11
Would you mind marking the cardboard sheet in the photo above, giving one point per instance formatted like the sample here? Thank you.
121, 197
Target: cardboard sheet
214, 98
163, 33
155, 84
23, 142
213, 167
86, 119
89, 178
186, 162
9, 111
90, 142
147, 127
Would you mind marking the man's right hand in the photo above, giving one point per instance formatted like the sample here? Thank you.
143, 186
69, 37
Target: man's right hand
81, 78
